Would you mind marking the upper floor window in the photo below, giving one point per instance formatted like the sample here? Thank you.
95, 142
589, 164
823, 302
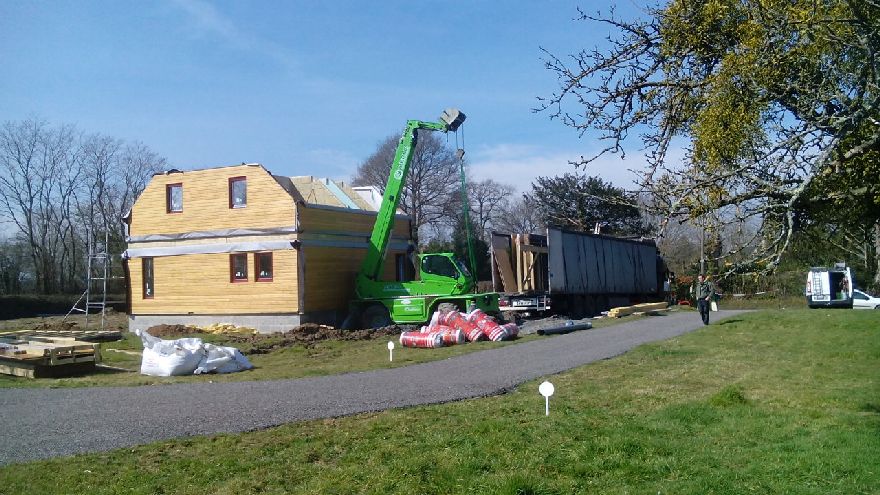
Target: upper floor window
174, 198
237, 192
238, 267
263, 266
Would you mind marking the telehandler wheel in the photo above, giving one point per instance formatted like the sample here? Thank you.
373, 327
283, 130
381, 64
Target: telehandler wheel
375, 316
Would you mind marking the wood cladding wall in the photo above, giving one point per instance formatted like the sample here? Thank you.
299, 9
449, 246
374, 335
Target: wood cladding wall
314, 220
330, 275
206, 202
200, 284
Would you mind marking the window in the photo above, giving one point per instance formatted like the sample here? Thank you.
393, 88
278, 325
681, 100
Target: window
238, 268
237, 192
147, 273
174, 198
263, 266
439, 265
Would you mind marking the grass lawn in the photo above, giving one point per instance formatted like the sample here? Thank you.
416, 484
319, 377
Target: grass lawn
767, 402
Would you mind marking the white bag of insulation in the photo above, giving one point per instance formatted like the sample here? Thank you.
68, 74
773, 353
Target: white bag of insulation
169, 357
221, 359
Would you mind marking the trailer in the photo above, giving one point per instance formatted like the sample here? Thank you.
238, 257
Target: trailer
572, 272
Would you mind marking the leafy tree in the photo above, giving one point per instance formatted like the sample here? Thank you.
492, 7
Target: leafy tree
578, 202
433, 180
767, 99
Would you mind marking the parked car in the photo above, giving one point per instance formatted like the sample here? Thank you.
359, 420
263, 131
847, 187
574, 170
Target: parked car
862, 300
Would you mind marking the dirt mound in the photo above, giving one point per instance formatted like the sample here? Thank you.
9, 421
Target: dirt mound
55, 325
305, 335
308, 335
165, 331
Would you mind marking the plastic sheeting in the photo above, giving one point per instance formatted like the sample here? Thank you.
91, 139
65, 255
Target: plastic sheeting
232, 247
187, 357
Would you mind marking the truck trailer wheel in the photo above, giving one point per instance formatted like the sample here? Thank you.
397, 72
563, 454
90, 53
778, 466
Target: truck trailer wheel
375, 316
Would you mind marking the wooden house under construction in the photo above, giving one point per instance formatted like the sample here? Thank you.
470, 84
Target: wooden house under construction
239, 245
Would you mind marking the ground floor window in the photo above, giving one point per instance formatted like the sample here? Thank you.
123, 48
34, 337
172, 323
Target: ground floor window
238, 267
263, 266
147, 272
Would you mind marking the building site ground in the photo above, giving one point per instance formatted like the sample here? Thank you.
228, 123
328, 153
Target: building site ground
770, 401
305, 350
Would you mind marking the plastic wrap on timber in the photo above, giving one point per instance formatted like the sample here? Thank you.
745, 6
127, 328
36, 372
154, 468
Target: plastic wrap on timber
638, 308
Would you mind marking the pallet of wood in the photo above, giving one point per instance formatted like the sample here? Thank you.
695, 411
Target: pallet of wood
81, 335
35, 357
638, 308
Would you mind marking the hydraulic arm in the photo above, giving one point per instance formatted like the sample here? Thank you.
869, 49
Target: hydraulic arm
450, 120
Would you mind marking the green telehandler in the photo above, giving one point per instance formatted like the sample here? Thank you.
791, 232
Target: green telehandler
443, 278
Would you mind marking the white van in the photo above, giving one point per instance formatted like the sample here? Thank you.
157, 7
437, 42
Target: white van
830, 287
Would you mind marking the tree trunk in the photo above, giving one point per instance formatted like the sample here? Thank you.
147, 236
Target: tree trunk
874, 264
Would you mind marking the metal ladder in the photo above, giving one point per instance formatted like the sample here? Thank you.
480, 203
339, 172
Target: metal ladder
97, 274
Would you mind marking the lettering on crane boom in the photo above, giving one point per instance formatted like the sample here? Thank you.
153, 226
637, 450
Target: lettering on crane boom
398, 172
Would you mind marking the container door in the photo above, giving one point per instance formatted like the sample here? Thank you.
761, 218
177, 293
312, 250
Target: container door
820, 286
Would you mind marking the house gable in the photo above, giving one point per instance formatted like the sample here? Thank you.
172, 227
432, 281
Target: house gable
206, 204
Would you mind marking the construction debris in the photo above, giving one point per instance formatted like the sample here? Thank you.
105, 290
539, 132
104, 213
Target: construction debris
228, 329
188, 356
638, 308
567, 328
80, 335
39, 357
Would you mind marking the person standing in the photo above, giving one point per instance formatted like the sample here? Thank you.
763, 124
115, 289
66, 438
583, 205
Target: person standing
704, 290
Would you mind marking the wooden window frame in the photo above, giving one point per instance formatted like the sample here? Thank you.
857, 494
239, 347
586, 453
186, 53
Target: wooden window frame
232, 278
257, 267
233, 180
152, 271
168, 189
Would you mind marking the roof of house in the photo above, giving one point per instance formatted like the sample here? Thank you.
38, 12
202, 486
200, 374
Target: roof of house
311, 190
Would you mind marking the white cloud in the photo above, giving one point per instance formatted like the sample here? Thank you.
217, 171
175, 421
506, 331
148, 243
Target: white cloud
519, 165
208, 21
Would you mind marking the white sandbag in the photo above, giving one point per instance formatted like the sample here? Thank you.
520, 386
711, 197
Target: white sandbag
169, 357
221, 359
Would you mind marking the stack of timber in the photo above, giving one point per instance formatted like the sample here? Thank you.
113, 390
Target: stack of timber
42, 357
81, 335
638, 308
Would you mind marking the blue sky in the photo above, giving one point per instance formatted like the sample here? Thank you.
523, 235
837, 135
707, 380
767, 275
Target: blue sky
305, 88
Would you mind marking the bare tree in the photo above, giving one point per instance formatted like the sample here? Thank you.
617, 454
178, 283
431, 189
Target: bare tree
433, 180
36, 161
57, 187
518, 216
487, 198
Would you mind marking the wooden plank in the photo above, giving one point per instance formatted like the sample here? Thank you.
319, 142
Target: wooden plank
505, 269
642, 308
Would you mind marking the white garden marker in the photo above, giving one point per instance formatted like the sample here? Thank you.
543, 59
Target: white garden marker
390, 350
546, 390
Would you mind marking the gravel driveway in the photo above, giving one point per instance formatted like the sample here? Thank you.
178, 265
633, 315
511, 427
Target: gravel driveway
43, 423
